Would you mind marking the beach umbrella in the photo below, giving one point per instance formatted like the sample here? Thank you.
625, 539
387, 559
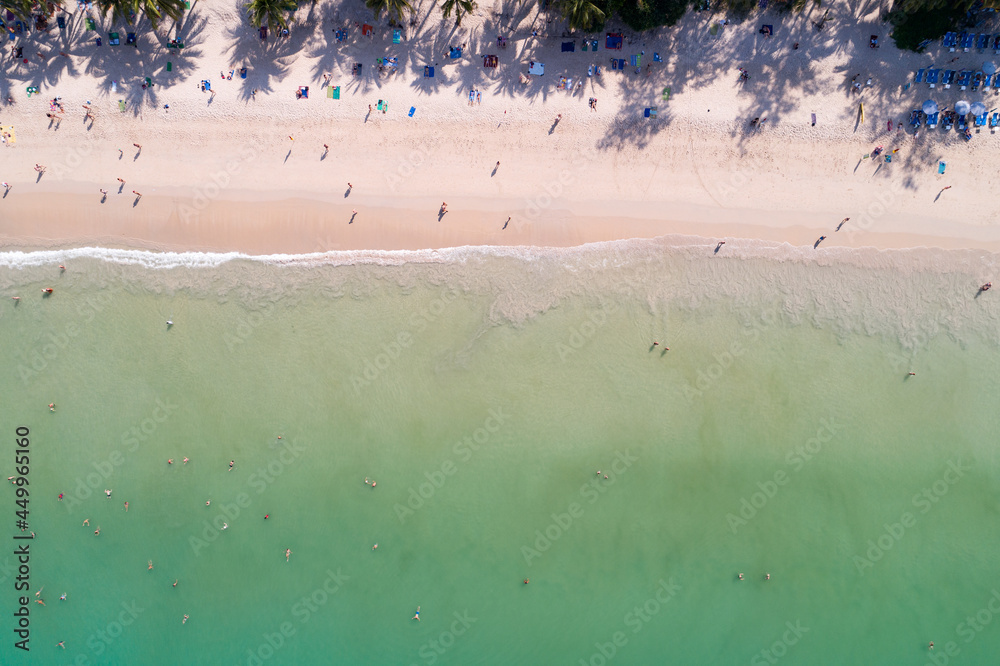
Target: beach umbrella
989, 68
930, 106
961, 107
978, 108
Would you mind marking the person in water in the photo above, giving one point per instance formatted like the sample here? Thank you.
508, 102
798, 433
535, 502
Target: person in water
416, 616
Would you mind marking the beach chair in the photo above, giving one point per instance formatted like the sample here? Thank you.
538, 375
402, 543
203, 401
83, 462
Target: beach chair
966, 40
568, 47
964, 77
130, 40
950, 39
919, 78
113, 39
586, 45
996, 44
948, 78
429, 72
977, 80
941, 168
397, 36
932, 121
413, 110
994, 121
981, 119
61, 22
996, 82
947, 122
987, 80
932, 77
982, 41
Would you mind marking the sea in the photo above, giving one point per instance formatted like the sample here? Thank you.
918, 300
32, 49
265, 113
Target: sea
636, 452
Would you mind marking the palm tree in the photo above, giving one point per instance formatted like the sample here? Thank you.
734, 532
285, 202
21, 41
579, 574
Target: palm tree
271, 13
154, 10
461, 7
394, 9
19, 8
581, 14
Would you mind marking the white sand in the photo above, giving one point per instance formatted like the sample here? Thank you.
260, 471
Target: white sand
220, 173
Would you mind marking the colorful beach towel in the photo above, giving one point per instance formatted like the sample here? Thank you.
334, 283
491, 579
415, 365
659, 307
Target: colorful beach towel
333, 92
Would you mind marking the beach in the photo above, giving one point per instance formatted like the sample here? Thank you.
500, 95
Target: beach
274, 418
698, 168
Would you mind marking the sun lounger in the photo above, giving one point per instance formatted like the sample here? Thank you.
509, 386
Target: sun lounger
950, 39
932, 77
932, 121
977, 80
397, 36
130, 40
947, 122
966, 40
61, 22
915, 117
613, 41
919, 78
113, 39
982, 41
429, 72
568, 47
948, 78
980, 120
413, 110
996, 82
964, 77
994, 120
961, 123
987, 80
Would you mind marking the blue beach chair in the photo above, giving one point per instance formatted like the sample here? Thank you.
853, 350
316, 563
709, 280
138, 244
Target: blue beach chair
948, 78
982, 41
966, 40
950, 39
980, 120
429, 72
919, 78
996, 82
963, 79
932, 121
932, 77
996, 44
994, 120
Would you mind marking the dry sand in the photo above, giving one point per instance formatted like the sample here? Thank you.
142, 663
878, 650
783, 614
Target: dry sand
219, 172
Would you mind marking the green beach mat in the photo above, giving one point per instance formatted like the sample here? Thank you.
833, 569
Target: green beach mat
714, 30
91, 25
666, 94
333, 92
121, 106
170, 66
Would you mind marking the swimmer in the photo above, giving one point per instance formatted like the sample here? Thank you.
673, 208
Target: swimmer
185, 461
15, 299
416, 616
605, 477
208, 503
931, 646
47, 290
184, 621
526, 581
741, 576
375, 547
97, 532
170, 322
60, 494
231, 463
52, 406
170, 461
912, 374
39, 593
86, 522
150, 567
107, 492
175, 583
373, 483
60, 644
62, 269
767, 576
266, 516
40, 601
598, 472
126, 506
63, 597
225, 526
288, 553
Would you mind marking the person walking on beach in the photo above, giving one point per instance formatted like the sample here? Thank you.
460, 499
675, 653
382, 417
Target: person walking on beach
104, 192
137, 195
842, 223
818, 241
138, 146
121, 180
6, 188
444, 207
39, 168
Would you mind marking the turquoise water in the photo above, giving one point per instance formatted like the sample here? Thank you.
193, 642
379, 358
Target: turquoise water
780, 434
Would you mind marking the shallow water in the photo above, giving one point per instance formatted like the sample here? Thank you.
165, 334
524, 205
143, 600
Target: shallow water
482, 391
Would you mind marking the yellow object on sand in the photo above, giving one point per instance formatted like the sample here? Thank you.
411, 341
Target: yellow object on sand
862, 112
8, 134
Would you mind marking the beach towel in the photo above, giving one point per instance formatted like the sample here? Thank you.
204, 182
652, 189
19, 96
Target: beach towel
586, 44
61, 22
941, 166
121, 106
568, 47
635, 60
397, 36
243, 72
666, 94
536, 68
366, 30
207, 84
303, 92
413, 110
91, 25
113, 39
429, 72
454, 52
613, 41
170, 66
130, 40
333, 92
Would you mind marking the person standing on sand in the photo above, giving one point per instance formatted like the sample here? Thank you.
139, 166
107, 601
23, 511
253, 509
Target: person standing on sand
39, 168
6, 187
842, 223
444, 207
137, 195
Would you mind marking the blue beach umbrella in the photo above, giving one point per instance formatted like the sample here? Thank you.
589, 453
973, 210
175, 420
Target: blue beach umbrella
989, 67
978, 108
930, 106
961, 107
